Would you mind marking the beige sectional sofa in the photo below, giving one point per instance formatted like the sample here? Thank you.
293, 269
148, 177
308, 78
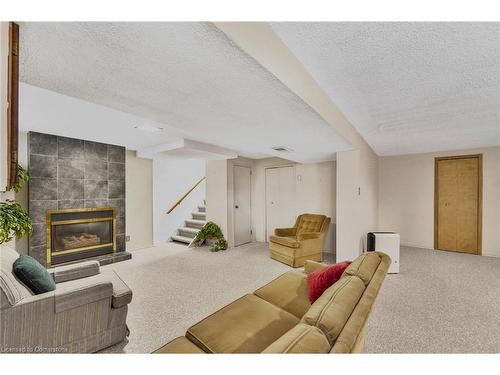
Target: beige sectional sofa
278, 317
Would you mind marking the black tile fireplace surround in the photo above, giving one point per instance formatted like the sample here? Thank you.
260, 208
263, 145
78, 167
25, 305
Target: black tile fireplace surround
67, 173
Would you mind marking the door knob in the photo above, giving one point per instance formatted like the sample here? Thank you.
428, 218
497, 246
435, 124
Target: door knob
236, 206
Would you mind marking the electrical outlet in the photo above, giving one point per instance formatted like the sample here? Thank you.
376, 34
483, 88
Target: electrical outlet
127, 238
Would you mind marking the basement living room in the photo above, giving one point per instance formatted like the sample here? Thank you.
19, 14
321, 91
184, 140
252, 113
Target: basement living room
182, 187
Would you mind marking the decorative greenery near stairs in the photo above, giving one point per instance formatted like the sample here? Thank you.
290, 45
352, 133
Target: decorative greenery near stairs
14, 220
211, 231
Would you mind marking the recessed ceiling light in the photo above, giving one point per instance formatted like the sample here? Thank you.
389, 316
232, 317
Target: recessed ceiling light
149, 128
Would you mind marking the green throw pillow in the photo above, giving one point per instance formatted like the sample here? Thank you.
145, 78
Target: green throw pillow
33, 275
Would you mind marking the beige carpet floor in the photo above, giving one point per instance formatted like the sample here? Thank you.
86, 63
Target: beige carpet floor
440, 302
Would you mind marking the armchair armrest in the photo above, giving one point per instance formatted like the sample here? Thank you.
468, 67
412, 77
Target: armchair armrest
71, 295
308, 236
67, 296
285, 232
75, 271
311, 266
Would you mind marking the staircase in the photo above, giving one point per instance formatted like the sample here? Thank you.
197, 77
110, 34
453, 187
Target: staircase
186, 234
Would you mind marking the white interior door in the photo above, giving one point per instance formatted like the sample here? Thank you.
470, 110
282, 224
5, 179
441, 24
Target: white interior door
242, 205
280, 199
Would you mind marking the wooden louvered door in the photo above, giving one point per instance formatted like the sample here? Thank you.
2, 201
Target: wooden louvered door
457, 204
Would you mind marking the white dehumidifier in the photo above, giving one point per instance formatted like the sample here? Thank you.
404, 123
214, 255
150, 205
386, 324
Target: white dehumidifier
386, 242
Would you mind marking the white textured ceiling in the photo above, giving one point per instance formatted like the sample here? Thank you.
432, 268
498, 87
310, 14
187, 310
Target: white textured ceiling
189, 76
407, 87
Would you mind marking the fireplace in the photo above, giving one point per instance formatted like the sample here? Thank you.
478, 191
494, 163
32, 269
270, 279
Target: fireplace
76, 234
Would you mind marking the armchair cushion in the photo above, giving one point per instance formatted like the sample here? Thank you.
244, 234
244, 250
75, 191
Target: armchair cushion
11, 289
285, 241
75, 271
33, 275
285, 232
308, 236
309, 223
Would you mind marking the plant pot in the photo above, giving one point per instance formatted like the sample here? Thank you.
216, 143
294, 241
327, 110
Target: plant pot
210, 241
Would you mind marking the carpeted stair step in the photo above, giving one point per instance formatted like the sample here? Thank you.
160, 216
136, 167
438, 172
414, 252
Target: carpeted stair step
202, 209
182, 239
188, 232
193, 223
199, 215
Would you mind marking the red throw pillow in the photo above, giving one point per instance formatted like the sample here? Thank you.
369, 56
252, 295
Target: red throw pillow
320, 280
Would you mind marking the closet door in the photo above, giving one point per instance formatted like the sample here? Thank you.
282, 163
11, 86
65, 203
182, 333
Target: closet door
458, 204
280, 199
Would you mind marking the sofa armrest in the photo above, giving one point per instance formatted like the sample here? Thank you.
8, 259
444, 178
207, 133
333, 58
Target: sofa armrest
285, 232
75, 271
308, 236
71, 295
311, 266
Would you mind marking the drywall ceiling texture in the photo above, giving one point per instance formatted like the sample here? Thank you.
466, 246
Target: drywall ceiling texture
407, 87
189, 76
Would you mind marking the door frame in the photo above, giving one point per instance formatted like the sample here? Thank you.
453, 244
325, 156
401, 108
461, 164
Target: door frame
265, 191
479, 158
234, 209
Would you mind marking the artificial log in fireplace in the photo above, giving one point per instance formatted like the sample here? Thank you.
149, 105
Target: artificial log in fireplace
77, 234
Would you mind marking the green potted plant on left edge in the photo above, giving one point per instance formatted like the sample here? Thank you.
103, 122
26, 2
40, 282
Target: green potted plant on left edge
14, 220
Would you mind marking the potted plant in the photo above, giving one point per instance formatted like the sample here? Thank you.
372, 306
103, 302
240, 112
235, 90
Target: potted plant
211, 234
14, 220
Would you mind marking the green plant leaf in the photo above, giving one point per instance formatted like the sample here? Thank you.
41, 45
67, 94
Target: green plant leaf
14, 221
23, 178
211, 230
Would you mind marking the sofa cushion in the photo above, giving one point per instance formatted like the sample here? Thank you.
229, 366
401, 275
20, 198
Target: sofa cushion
364, 266
12, 290
248, 325
320, 280
288, 291
285, 241
302, 338
179, 345
33, 275
331, 311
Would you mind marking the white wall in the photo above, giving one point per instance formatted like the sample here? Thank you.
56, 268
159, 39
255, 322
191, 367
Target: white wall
139, 201
315, 192
172, 178
406, 197
216, 194
357, 200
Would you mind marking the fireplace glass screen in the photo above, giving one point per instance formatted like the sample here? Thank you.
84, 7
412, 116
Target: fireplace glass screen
76, 234
82, 235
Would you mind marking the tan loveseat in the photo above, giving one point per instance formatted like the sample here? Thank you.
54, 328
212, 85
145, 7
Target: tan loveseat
86, 312
278, 317
305, 241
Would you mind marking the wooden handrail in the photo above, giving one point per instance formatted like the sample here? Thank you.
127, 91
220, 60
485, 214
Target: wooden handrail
185, 195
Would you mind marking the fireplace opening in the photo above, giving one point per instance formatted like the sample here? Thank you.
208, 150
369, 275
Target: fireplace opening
80, 233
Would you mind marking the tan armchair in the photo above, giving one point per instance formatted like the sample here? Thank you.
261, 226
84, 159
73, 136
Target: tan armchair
305, 241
